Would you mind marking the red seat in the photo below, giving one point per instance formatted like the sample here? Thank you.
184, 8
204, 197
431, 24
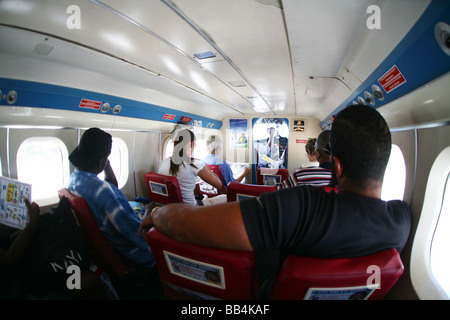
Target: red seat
163, 189
329, 189
100, 250
239, 191
206, 189
194, 272
340, 278
268, 176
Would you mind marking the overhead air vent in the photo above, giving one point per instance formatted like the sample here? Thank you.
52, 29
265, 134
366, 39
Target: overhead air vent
237, 84
204, 55
43, 49
442, 34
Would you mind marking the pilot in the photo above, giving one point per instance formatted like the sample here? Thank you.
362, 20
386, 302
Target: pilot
306, 220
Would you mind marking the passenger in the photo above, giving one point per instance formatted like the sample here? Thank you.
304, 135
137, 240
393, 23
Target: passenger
315, 175
214, 145
183, 166
306, 220
310, 148
11, 257
110, 208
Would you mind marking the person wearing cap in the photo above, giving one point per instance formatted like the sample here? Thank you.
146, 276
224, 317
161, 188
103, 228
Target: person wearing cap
112, 212
314, 175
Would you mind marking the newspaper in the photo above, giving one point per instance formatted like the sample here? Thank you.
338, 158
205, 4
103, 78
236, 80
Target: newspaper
13, 210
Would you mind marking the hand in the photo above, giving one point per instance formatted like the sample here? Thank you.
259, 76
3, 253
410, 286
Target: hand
246, 170
149, 207
33, 211
147, 222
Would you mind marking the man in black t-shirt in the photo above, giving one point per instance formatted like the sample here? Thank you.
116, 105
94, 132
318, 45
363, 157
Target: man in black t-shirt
306, 220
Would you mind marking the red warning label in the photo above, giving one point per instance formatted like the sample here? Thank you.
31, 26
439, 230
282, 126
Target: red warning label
185, 119
169, 116
90, 104
301, 141
392, 79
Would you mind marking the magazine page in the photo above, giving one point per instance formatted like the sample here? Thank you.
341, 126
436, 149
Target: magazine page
13, 210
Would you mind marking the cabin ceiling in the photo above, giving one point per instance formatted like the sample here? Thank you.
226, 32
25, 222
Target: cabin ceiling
290, 57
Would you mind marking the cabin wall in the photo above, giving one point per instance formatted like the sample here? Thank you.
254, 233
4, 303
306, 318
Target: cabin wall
420, 126
3, 154
145, 158
144, 153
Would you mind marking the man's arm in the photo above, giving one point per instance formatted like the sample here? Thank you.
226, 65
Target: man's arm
243, 174
210, 177
219, 226
109, 174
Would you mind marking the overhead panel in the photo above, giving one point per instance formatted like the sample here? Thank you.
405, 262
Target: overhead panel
422, 56
19, 94
124, 40
250, 36
331, 40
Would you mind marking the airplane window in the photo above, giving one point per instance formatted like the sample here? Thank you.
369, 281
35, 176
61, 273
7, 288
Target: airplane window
430, 258
119, 161
43, 162
200, 150
168, 150
395, 176
440, 257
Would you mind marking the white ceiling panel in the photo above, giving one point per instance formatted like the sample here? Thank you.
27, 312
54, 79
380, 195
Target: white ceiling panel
333, 50
287, 57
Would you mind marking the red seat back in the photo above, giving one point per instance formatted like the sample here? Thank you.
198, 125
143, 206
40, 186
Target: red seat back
163, 189
206, 189
194, 272
239, 191
329, 189
100, 250
341, 278
268, 176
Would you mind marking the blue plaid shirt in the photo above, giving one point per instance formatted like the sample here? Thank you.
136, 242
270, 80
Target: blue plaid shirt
114, 216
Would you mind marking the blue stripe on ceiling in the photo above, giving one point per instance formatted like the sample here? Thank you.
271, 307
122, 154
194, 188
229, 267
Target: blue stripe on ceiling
42, 95
418, 57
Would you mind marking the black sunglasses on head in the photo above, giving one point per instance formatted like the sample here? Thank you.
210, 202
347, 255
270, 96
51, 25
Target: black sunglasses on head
327, 149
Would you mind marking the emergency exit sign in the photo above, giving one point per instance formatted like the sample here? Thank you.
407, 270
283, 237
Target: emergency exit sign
392, 79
